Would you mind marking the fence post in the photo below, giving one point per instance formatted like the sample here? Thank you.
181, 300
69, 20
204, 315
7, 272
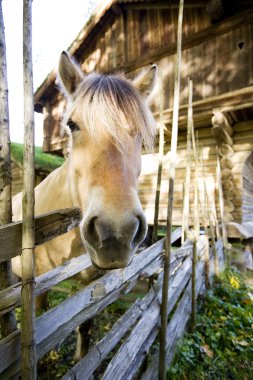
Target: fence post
28, 344
164, 307
160, 166
186, 198
7, 322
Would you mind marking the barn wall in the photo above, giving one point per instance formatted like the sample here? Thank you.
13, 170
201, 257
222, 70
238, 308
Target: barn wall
133, 33
217, 65
242, 147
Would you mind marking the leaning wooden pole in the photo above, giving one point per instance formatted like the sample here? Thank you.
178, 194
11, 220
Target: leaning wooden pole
164, 307
196, 205
28, 344
160, 166
7, 322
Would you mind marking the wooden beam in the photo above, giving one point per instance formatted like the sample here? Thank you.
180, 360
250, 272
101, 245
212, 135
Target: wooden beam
203, 109
10, 298
47, 227
172, 4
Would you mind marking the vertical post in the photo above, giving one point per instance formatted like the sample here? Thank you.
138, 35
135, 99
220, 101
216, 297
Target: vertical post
165, 290
186, 206
195, 205
7, 322
160, 166
28, 344
216, 264
221, 202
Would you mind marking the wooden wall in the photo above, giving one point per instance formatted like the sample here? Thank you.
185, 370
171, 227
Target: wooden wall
132, 33
242, 148
219, 60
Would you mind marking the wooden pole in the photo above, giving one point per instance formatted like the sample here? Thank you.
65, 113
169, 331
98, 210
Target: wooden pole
186, 206
160, 165
164, 306
211, 226
221, 202
196, 207
7, 322
28, 344
205, 223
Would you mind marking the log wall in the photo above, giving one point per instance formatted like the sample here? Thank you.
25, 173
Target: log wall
236, 176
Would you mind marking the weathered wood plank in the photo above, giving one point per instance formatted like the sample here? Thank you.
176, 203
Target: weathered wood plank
10, 297
176, 326
122, 363
85, 367
47, 227
54, 325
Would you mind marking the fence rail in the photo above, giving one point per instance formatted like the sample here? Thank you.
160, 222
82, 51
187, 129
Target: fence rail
54, 325
47, 227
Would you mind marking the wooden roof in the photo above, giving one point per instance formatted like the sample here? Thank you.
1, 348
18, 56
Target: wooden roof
108, 9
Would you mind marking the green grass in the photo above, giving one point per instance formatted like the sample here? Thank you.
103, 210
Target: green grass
222, 345
44, 161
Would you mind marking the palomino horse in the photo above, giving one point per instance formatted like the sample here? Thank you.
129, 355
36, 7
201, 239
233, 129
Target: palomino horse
108, 121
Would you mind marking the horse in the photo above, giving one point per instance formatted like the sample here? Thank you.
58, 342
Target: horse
108, 120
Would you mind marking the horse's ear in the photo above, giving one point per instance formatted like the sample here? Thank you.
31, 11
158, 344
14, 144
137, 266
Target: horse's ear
70, 74
145, 82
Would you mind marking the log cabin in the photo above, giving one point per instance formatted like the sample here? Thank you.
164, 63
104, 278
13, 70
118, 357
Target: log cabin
217, 54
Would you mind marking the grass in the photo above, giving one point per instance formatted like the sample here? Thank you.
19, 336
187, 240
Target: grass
222, 345
44, 161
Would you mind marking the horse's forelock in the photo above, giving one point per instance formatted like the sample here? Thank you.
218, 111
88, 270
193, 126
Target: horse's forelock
112, 108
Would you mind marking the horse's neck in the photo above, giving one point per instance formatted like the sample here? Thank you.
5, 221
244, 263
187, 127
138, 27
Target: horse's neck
54, 192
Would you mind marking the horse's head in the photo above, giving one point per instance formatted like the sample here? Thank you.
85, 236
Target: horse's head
108, 121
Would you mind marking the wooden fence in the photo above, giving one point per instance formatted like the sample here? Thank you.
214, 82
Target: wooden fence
141, 321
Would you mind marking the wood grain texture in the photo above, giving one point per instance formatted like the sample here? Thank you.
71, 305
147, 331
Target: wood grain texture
56, 324
47, 227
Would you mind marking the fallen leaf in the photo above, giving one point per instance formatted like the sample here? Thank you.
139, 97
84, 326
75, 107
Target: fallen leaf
243, 343
207, 350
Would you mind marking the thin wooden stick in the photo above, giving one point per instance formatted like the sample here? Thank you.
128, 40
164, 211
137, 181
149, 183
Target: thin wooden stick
205, 223
221, 202
160, 165
7, 322
196, 208
164, 306
186, 206
216, 265
28, 344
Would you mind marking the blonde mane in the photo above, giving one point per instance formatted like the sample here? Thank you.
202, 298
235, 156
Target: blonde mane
112, 108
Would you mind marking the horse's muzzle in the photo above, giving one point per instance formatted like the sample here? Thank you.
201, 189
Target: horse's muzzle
112, 243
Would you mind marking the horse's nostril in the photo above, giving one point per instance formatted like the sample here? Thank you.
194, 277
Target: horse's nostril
129, 231
90, 232
141, 231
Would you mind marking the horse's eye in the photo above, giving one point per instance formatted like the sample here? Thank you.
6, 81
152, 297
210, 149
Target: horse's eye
72, 126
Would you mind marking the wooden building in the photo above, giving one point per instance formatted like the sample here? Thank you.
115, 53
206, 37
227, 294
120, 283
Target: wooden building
129, 35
